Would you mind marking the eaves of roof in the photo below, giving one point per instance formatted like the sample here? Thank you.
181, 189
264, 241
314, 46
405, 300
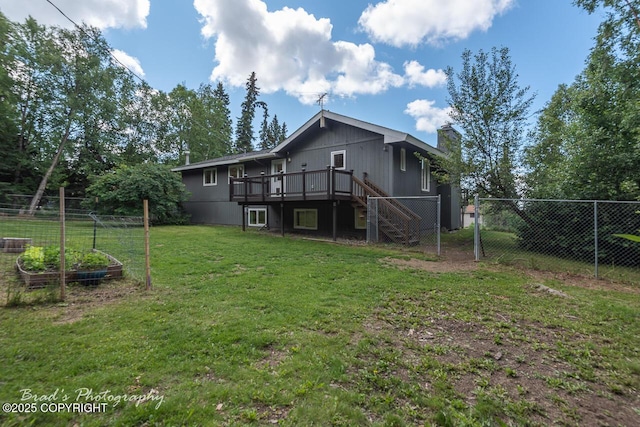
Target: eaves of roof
228, 160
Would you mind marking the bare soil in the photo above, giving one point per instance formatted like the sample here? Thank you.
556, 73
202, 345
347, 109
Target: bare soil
528, 366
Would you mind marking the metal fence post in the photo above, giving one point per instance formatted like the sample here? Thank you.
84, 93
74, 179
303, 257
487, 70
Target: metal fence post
439, 223
476, 228
595, 233
368, 220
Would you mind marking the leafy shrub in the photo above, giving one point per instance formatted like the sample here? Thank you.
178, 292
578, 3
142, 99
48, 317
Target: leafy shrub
121, 193
567, 230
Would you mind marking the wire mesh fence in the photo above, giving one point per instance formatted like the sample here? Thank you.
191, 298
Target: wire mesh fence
568, 235
405, 221
119, 239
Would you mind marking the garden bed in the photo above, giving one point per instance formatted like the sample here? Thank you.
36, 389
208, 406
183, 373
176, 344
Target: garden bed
14, 244
38, 280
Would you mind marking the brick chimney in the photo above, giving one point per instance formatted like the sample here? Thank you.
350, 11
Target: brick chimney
447, 135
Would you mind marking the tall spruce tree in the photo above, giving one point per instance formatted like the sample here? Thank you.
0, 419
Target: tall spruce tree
224, 129
244, 126
271, 132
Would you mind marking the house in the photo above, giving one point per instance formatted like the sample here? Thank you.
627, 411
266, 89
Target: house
318, 179
469, 216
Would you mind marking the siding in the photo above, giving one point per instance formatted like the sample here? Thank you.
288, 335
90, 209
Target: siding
209, 204
365, 152
409, 183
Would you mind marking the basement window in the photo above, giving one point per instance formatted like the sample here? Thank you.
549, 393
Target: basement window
360, 219
257, 217
305, 219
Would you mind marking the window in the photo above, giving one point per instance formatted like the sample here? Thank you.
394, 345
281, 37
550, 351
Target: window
236, 172
210, 177
306, 219
339, 159
426, 175
361, 218
403, 159
257, 217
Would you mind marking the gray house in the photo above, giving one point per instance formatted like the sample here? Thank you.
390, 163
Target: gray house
317, 180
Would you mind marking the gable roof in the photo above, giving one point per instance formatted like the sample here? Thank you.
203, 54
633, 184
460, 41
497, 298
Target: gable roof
311, 126
390, 136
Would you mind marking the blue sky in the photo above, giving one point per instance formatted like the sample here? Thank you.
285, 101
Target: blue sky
380, 62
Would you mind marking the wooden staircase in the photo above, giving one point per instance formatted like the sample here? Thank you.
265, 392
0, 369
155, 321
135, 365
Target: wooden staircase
396, 222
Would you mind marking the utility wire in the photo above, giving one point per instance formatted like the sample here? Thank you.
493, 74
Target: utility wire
213, 132
79, 27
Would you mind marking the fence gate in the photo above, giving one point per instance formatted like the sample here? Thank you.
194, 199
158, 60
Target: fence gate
405, 221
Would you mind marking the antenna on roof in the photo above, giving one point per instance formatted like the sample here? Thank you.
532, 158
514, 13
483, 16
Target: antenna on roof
321, 100
321, 103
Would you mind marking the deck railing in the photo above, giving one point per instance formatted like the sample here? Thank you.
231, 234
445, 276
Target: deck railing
323, 184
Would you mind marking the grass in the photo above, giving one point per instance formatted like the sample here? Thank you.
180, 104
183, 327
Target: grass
502, 247
123, 240
255, 329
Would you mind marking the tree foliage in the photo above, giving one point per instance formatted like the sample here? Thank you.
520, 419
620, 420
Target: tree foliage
69, 96
588, 135
196, 121
70, 112
16, 164
492, 111
271, 132
244, 127
121, 192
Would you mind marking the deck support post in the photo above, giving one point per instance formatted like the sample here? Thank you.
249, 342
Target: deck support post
335, 221
282, 218
244, 217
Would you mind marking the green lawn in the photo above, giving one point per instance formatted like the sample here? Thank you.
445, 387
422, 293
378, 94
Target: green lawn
255, 329
502, 247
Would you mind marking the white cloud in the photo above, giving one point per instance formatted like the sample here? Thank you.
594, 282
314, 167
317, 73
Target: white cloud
290, 50
416, 75
130, 62
412, 22
428, 117
97, 13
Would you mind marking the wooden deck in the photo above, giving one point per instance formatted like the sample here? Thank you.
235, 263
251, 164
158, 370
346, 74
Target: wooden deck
320, 185
394, 220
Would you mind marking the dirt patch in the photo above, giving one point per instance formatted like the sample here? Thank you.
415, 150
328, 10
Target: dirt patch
81, 299
441, 266
582, 281
460, 262
78, 301
523, 371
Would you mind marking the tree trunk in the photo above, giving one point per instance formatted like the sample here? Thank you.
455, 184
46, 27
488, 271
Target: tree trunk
43, 184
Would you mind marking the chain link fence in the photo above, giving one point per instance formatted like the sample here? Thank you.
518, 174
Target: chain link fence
120, 238
405, 221
576, 236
